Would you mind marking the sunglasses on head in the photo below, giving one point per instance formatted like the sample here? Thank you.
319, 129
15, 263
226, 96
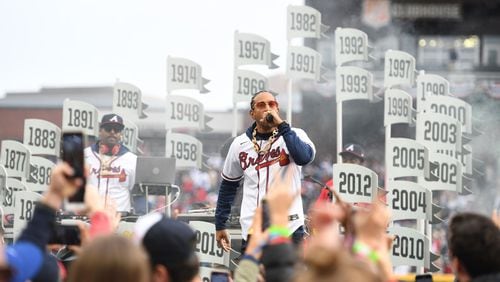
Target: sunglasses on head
109, 127
262, 105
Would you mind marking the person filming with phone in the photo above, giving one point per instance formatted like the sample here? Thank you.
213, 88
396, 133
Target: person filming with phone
112, 165
28, 258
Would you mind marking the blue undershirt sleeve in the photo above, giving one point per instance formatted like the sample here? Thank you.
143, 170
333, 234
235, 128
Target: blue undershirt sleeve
227, 192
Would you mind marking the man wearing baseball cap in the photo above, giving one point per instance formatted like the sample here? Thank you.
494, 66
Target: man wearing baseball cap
351, 154
170, 245
112, 165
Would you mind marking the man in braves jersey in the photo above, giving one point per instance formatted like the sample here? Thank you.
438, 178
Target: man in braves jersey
112, 165
351, 154
268, 146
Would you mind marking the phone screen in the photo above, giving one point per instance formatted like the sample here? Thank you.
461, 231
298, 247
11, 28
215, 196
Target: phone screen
266, 221
216, 276
423, 278
72, 153
66, 235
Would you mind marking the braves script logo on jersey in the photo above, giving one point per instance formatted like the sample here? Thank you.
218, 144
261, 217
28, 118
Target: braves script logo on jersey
273, 156
111, 172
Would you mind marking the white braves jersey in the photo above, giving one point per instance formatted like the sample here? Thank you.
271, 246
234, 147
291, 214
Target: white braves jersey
243, 162
114, 176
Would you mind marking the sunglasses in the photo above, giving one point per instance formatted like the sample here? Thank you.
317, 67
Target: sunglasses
351, 158
109, 127
262, 105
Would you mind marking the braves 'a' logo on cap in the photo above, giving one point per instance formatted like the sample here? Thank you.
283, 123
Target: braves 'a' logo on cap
350, 148
114, 119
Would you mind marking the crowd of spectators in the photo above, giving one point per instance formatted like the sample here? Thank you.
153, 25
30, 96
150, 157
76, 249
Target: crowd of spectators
163, 249
199, 189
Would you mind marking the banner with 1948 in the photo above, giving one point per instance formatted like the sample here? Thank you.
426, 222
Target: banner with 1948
184, 112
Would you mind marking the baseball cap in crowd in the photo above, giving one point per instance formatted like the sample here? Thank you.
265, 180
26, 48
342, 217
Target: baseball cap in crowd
353, 149
168, 242
112, 119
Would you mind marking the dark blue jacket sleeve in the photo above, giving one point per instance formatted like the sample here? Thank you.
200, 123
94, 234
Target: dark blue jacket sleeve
301, 152
26, 256
227, 193
41, 227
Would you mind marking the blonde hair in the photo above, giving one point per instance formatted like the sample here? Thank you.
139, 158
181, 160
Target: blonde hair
111, 258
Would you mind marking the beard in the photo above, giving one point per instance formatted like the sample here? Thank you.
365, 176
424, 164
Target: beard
264, 126
111, 141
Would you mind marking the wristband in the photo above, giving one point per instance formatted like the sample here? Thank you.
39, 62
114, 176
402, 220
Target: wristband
279, 240
250, 258
363, 251
276, 230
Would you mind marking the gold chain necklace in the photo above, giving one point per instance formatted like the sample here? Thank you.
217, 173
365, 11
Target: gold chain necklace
268, 145
106, 163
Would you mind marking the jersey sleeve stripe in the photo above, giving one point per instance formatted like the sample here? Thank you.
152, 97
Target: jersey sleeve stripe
230, 178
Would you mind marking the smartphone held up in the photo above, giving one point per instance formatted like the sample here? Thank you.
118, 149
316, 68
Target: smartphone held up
72, 153
66, 234
266, 221
219, 276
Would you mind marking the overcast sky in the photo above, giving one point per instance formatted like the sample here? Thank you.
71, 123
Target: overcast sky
58, 43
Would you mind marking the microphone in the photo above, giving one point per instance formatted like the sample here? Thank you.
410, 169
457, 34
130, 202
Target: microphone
270, 118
